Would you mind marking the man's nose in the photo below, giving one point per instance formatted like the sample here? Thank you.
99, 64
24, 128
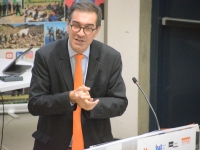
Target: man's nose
81, 32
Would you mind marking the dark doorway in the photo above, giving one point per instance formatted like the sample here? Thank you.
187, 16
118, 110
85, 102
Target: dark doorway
175, 63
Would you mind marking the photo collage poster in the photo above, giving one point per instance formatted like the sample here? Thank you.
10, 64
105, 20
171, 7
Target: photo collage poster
26, 23
30, 23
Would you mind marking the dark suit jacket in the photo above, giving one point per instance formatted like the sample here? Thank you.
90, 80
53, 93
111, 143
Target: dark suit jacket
49, 95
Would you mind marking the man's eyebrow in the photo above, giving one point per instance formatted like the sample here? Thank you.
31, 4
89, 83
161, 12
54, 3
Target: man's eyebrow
85, 25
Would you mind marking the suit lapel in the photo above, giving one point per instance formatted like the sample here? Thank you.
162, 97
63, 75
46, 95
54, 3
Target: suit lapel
65, 66
93, 65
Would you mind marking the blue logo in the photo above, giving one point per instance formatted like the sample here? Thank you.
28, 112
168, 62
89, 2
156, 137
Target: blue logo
18, 53
159, 147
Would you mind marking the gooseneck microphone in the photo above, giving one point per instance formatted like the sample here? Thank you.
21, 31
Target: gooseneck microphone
136, 82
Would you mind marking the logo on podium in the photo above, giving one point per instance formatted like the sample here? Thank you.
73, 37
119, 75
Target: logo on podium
185, 140
159, 147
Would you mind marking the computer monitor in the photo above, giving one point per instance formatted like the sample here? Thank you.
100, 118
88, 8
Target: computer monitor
17, 69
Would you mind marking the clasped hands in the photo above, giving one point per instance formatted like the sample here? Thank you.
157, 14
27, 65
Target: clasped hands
82, 97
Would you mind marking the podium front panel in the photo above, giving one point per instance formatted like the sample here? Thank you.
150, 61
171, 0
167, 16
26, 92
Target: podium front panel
179, 140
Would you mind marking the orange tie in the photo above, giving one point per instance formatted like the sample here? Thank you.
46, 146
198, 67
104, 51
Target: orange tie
77, 140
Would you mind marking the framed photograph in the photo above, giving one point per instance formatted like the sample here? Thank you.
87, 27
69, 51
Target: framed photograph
44, 10
54, 31
11, 11
15, 36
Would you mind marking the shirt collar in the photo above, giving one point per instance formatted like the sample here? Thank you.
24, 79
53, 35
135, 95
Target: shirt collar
72, 52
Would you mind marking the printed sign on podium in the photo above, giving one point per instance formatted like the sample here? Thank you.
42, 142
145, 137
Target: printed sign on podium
180, 138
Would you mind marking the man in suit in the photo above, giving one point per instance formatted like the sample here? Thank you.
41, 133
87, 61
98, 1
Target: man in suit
52, 94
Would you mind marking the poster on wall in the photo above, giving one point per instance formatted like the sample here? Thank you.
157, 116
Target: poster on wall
32, 34
16, 38
25, 23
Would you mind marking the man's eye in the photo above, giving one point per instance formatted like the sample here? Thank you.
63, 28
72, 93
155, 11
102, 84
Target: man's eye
88, 28
76, 26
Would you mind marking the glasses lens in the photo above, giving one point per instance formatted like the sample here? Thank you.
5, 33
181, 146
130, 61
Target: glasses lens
75, 28
88, 30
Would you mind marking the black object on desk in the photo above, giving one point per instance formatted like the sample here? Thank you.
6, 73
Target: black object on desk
11, 78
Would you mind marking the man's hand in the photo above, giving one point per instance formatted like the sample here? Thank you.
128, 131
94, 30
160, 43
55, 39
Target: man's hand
82, 97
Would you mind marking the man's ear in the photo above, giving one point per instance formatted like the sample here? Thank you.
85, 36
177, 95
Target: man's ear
97, 31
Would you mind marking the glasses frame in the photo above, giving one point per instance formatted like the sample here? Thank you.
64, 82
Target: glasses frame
82, 28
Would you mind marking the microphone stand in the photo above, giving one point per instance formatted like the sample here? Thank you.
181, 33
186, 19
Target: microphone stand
136, 82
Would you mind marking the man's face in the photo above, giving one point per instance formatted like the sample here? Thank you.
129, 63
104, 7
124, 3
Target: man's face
79, 41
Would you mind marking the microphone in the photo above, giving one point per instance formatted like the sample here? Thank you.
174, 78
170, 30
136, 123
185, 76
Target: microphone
136, 82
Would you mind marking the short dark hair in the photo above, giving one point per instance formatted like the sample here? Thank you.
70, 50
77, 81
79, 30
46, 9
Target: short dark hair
85, 5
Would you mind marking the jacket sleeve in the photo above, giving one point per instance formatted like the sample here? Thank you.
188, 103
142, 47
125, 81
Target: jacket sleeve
111, 94
41, 99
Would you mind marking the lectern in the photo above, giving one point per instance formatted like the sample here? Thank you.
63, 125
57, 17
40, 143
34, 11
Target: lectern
180, 138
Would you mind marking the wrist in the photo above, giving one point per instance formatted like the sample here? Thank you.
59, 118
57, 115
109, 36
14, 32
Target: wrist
72, 97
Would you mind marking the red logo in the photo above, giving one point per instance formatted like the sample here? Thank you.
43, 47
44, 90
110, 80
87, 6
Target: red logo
186, 140
29, 55
9, 55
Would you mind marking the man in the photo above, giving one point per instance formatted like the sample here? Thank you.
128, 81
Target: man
18, 9
4, 7
9, 8
53, 17
52, 93
51, 34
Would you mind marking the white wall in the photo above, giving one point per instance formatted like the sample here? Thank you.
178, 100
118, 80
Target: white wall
100, 36
122, 33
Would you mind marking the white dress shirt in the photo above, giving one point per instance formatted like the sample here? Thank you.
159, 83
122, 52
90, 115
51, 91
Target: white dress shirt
84, 61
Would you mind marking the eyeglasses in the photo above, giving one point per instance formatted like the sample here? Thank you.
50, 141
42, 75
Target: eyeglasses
86, 30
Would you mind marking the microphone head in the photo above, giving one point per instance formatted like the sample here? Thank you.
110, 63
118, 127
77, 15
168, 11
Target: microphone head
134, 79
